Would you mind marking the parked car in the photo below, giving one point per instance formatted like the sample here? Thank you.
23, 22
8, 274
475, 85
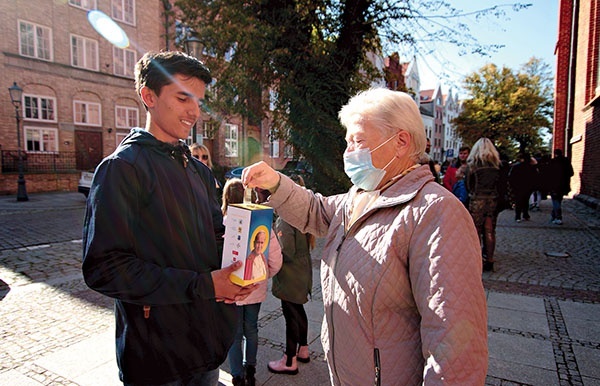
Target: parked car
301, 168
234, 173
85, 182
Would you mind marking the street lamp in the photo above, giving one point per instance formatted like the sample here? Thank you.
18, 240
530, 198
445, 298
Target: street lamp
193, 45
16, 94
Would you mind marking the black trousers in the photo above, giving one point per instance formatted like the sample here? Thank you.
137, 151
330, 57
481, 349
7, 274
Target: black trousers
296, 327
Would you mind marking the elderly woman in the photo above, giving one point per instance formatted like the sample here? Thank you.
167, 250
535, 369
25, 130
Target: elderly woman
401, 267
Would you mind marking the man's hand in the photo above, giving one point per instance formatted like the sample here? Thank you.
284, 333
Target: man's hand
261, 175
225, 290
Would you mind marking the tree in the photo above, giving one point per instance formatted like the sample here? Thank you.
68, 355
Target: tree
311, 55
510, 108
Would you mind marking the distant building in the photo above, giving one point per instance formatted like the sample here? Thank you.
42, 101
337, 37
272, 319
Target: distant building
576, 128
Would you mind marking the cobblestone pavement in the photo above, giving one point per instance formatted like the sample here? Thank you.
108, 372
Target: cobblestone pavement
46, 307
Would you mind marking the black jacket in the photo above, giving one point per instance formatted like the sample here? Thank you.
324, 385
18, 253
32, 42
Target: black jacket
150, 241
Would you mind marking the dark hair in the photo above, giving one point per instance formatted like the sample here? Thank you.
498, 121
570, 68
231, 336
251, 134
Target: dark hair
463, 148
156, 69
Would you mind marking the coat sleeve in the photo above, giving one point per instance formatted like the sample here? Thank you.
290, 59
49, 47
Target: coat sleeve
445, 271
305, 210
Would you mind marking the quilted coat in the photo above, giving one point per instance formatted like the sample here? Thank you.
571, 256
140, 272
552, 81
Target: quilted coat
402, 291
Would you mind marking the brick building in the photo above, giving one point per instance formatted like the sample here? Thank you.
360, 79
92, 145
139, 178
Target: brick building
78, 98
577, 93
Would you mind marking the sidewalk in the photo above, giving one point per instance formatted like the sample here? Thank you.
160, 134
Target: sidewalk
543, 307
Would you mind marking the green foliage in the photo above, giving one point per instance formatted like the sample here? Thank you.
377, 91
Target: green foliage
312, 55
512, 108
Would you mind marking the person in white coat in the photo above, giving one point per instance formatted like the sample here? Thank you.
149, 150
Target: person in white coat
401, 266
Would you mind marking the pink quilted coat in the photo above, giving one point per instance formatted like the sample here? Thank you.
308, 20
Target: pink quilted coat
402, 291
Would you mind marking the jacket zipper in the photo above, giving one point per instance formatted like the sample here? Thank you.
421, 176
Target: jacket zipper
146, 312
377, 367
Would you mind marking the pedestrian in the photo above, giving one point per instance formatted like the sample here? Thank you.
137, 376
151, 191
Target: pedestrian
450, 176
153, 236
201, 152
429, 161
483, 183
293, 285
460, 188
559, 184
243, 352
401, 271
522, 178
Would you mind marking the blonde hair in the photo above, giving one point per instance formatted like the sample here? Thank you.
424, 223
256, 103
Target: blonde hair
204, 150
484, 153
391, 112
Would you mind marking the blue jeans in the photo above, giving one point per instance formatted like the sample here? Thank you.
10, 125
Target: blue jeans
247, 331
556, 206
208, 378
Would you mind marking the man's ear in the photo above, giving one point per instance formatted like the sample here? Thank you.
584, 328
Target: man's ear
148, 96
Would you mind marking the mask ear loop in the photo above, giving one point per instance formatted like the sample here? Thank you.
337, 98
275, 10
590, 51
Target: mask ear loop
384, 142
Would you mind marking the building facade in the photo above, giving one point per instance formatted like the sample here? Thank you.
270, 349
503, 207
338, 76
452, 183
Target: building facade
576, 128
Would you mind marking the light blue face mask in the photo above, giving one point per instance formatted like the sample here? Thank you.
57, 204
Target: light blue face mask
358, 165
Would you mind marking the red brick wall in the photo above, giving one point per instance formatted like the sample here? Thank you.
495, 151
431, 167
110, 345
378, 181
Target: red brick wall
35, 183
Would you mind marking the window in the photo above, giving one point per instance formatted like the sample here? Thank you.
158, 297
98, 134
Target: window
208, 129
231, 140
38, 108
274, 148
123, 62
35, 40
84, 53
288, 151
41, 139
87, 113
85, 4
127, 117
124, 10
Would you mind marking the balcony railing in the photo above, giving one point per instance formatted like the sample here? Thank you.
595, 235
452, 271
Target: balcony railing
63, 161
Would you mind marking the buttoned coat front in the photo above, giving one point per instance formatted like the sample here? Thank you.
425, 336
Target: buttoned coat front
402, 291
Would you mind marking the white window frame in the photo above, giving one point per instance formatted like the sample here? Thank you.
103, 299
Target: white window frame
132, 117
38, 41
123, 11
88, 49
274, 147
41, 111
119, 137
288, 151
84, 4
35, 135
123, 62
231, 140
84, 111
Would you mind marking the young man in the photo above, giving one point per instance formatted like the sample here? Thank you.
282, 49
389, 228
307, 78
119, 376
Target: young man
152, 237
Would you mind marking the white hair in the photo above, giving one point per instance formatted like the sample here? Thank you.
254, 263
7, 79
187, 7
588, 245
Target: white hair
391, 112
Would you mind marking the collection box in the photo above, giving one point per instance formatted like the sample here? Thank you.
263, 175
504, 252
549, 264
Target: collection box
247, 231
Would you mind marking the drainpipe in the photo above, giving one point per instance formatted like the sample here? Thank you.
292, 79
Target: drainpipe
167, 7
571, 80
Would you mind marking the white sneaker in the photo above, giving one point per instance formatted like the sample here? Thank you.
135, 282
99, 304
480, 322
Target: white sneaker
558, 222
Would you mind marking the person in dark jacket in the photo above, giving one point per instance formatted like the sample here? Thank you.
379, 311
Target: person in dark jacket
559, 183
152, 237
293, 285
522, 179
482, 179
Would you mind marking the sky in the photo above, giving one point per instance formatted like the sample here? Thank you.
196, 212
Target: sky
526, 33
